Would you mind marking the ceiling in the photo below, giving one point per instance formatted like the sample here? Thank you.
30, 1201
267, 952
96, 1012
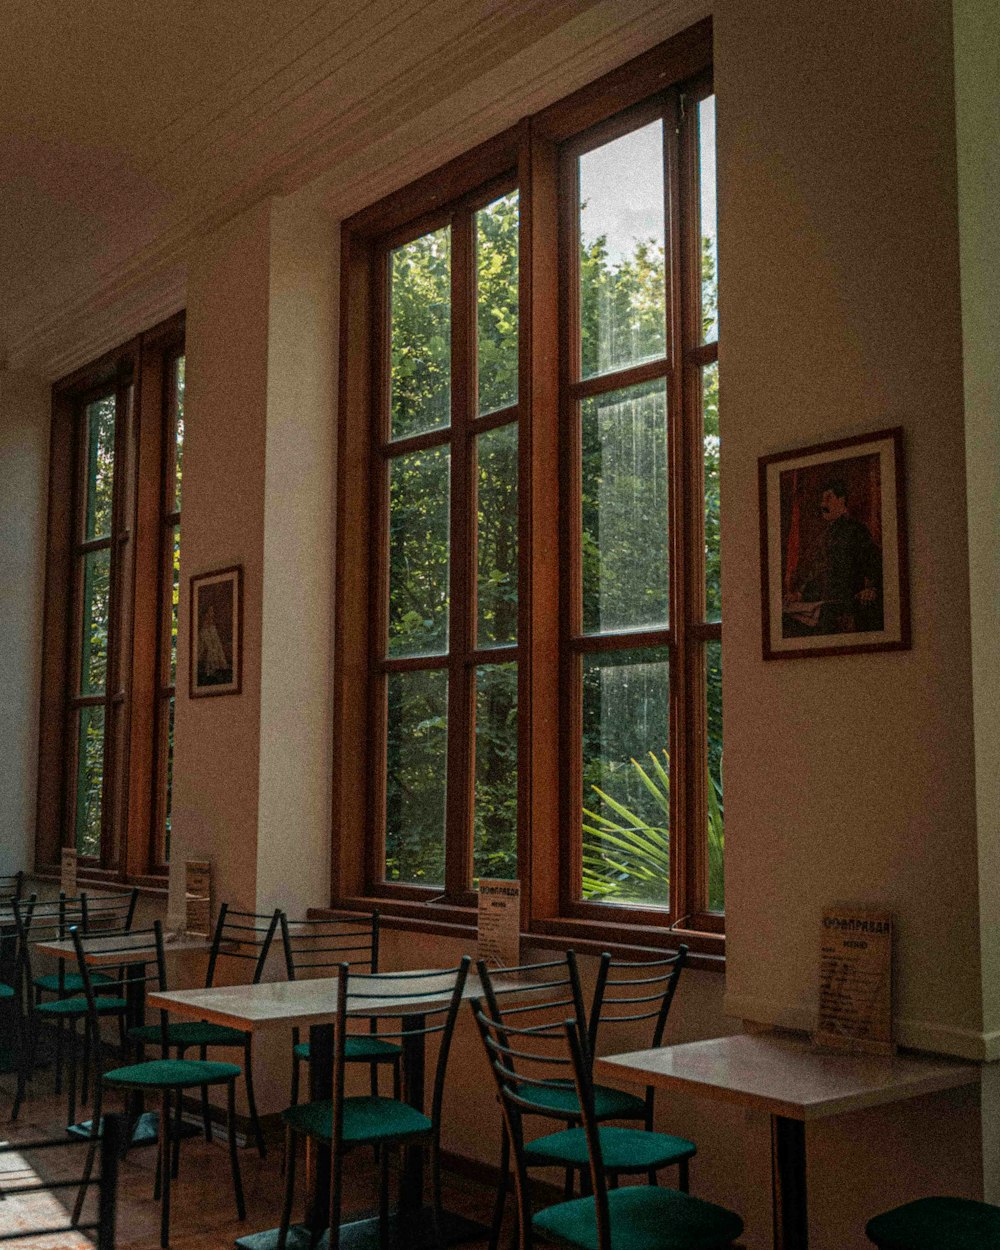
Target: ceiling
128, 129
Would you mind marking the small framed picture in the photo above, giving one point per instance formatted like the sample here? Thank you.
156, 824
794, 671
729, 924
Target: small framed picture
217, 632
833, 548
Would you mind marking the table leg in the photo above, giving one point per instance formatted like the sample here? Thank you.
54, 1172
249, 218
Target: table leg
788, 1181
411, 1186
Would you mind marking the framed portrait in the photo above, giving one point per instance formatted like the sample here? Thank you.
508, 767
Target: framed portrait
833, 548
217, 632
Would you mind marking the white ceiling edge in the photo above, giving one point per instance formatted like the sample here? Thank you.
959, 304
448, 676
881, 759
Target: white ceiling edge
342, 177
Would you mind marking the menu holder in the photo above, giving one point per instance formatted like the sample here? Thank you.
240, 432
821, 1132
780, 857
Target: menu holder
198, 897
855, 983
67, 871
499, 923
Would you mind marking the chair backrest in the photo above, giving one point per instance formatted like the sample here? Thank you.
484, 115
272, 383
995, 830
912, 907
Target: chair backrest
130, 962
435, 996
632, 990
101, 1229
11, 886
45, 921
529, 1058
330, 942
242, 935
546, 994
109, 912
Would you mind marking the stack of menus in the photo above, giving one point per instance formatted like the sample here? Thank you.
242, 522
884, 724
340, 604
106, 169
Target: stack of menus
198, 898
855, 981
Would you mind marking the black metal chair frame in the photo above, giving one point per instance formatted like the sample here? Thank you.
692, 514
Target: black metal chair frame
104, 1227
140, 970
378, 988
11, 886
358, 937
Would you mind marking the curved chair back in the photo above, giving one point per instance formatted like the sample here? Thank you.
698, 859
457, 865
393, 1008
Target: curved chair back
546, 994
539, 1058
109, 913
11, 886
131, 964
243, 935
631, 990
45, 922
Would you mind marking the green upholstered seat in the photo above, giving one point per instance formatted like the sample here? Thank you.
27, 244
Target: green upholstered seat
78, 1006
5, 992
172, 1074
937, 1224
622, 1149
366, 1119
642, 1218
609, 1103
72, 982
359, 1047
190, 1033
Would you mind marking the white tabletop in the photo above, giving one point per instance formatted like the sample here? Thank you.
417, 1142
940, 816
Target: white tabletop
104, 951
275, 1004
786, 1076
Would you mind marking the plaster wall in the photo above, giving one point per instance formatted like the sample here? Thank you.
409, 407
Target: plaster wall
24, 450
847, 778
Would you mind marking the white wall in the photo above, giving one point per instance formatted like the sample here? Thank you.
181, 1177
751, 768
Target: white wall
24, 449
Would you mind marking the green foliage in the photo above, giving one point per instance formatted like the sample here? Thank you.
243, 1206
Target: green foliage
627, 858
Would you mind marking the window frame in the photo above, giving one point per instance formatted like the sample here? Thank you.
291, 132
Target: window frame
531, 155
129, 785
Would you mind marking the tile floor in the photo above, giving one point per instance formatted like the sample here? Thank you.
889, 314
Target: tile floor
203, 1215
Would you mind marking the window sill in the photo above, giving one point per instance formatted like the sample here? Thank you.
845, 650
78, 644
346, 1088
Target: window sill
707, 951
154, 885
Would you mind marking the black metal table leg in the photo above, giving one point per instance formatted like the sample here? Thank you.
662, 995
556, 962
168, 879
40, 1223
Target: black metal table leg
788, 1180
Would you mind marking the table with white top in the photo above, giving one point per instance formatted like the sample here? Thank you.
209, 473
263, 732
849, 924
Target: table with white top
312, 1004
113, 951
794, 1083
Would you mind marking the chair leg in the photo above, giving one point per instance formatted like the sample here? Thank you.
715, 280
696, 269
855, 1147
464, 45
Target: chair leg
286, 1210
336, 1196
383, 1200
437, 1207
682, 1176
175, 1162
164, 1169
501, 1199
251, 1101
95, 1141
234, 1158
71, 1082
60, 1023
397, 1080
206, 1114
85, 1074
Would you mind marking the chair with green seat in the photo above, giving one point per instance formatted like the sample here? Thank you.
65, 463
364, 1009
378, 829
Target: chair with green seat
937, 1224
111, 913
626, 1150
50, 922
238, 935
345, 1123
11, 886
319, 947
635, 1217
144, 966
14, 1014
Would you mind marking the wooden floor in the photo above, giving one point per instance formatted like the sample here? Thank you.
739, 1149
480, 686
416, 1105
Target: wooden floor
203, 1215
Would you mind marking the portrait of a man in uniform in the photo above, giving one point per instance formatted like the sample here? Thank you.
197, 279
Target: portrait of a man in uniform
832, 550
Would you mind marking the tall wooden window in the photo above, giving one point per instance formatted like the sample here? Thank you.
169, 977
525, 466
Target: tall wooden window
107, 680
531, 459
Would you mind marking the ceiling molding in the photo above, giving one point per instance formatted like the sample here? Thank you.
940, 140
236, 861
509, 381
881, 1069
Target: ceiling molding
305, 140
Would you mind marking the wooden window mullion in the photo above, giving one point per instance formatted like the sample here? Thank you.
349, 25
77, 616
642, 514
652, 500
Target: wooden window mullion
462, 564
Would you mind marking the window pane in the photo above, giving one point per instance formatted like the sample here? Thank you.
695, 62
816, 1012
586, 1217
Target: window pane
495, 839
89, 776
418, 552
175, 599
94, 641
709, 220
624, 495
713, 561
168, 709
622, 311
100, 466
416, 767
179, 377
496, 278
497, 535
626, 785
420, 296
716, 837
